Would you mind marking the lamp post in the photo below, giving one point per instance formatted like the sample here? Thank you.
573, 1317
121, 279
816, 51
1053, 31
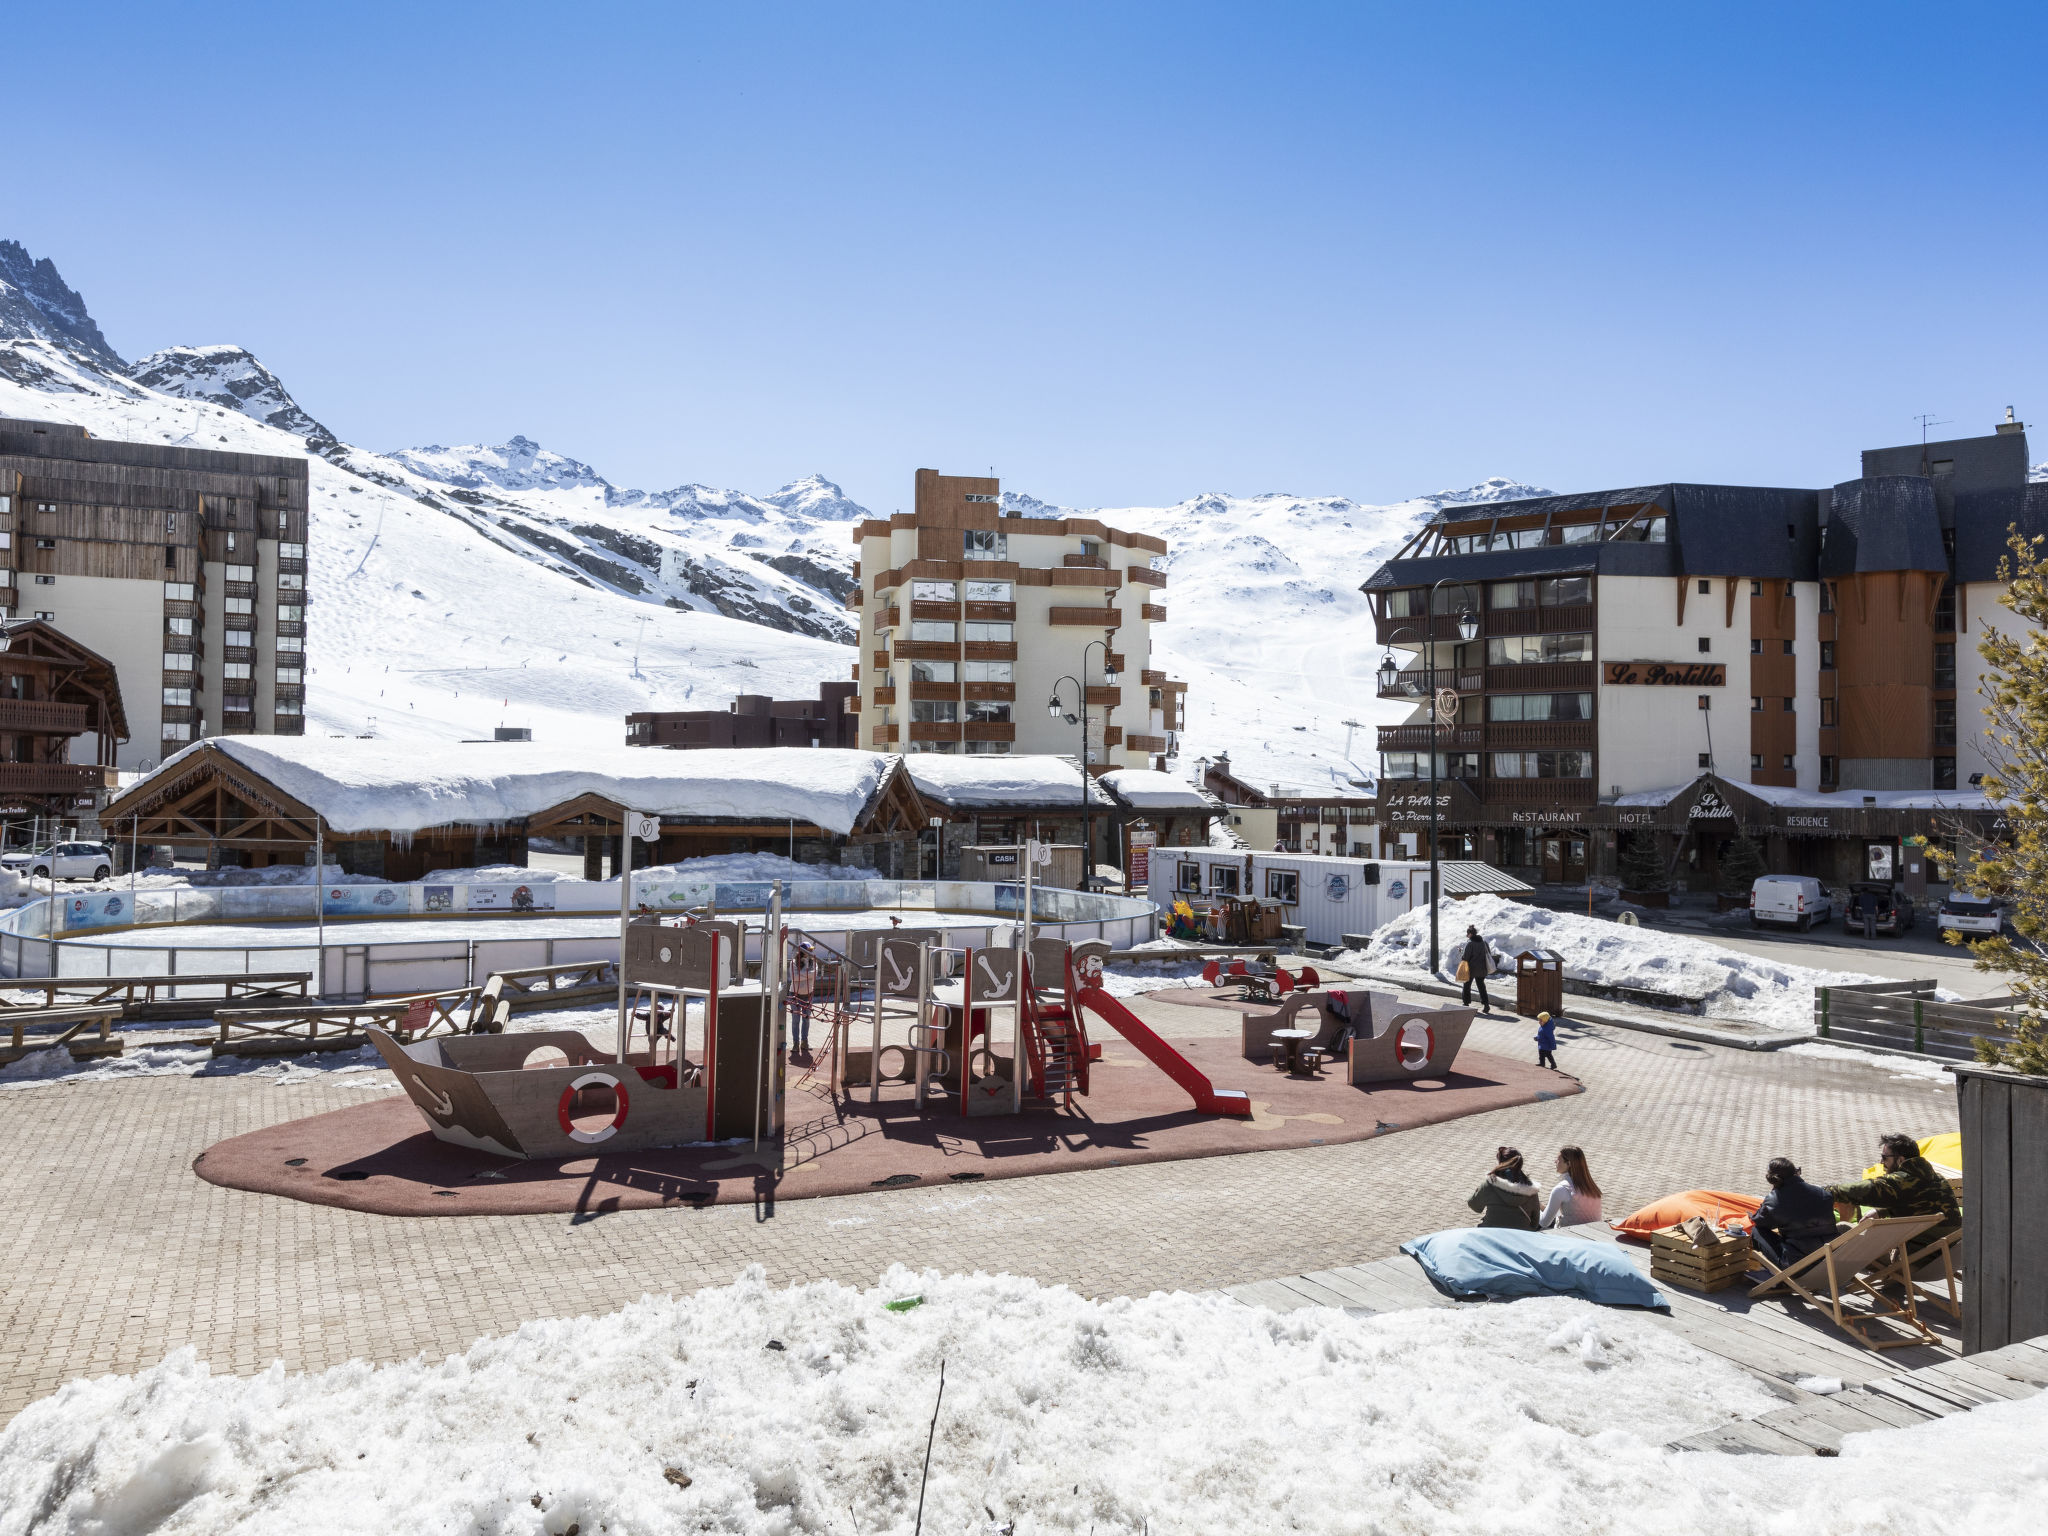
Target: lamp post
1058, 711
1390, 674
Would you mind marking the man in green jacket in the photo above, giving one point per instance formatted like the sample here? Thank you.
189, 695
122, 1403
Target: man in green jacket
1909, 1186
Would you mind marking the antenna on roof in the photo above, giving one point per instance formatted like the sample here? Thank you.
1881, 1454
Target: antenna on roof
1927, 420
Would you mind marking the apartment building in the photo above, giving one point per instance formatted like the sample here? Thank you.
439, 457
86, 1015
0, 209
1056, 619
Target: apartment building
184, 567
973, 620
1598, 660
753, 720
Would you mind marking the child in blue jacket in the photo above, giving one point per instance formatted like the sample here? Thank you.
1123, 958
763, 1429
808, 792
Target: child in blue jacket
1546, 1042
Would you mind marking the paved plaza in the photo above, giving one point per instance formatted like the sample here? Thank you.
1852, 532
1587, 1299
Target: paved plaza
115, 1253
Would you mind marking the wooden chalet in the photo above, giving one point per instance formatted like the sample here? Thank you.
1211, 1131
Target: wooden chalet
52, 691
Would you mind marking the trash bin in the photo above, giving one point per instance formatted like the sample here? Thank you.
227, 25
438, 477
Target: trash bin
1539, 982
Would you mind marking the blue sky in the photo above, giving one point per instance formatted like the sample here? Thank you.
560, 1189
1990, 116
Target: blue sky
1121, 253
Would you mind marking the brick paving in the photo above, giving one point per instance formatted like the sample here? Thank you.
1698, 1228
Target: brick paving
115, 1253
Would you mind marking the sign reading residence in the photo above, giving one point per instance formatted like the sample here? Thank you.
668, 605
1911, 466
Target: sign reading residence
1666, 674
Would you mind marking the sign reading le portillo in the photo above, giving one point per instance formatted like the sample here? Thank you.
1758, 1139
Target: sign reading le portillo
1666, 674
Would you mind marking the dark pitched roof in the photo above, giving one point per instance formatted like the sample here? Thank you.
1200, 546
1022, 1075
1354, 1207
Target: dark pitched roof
1986, 519
1883, 523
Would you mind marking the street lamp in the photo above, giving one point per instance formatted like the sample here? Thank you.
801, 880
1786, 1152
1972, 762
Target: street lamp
1057, 711
1390, 675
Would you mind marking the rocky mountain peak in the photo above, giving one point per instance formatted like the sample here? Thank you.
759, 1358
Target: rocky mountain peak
517, 464
37, 304
230, 377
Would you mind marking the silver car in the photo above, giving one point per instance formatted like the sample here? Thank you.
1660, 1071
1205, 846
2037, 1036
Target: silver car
64, 861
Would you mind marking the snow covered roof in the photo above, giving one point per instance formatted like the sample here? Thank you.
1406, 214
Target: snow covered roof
1841, 799
1002, 780
1147, 789
366, 786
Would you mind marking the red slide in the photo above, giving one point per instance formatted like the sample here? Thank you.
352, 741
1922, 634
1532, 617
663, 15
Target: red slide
1209, 1099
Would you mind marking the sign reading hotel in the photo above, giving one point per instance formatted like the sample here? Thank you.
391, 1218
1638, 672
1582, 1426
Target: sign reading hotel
1666, 674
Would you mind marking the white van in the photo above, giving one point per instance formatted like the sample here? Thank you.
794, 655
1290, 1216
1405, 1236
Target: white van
1798, 901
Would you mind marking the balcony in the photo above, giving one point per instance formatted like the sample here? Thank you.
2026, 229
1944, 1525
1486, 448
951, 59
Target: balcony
1092, 618
1112, 735
888, 618
1535, 791
1414, 683
42, 715
1539, 621
933, 691
990, 730
992, 613
289, 725
927, 650
885, 696
881, 660
921, 608
991, 650
1420, 738
1085, 576
292, 627
1114, 660
1084, 563
935, 730
55, 778
291, 567
1413, 629
1153, 613
1145, 743
990, 692
1103, 694
1539, 676
1145, 576
1152, 678
885, 735
1542, 735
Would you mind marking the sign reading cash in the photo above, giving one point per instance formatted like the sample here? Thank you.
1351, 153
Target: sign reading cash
1667, 674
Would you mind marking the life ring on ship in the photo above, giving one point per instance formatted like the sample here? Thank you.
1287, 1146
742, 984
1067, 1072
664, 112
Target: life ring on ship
591, 1080
1428, 1046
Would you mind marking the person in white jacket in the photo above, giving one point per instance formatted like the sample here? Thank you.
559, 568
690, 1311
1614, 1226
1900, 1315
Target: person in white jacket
1575, 1198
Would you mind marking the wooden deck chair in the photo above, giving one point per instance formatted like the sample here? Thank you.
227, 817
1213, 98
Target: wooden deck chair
1934, 1266
1860, 1259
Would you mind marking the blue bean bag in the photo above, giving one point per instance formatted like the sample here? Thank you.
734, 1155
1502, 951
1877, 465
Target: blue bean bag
1498, 1261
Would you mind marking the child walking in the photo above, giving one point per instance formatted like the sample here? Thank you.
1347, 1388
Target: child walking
1546, 1042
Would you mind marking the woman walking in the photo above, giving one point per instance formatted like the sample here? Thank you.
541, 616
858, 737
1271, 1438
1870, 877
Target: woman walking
1575, 1198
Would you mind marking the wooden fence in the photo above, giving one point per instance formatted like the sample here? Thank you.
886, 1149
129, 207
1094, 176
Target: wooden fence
1904, 1016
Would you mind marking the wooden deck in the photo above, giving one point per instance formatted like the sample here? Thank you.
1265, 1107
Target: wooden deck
1778, 1344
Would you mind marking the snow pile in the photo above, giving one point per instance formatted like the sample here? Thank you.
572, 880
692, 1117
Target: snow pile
1002, 780
360, 1068
750, 1410
361, 786
1147, 789
740, 868
1730, 985
1924, 1069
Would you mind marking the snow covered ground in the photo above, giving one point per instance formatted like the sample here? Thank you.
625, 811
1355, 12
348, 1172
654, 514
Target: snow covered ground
1732, 985
747, 1409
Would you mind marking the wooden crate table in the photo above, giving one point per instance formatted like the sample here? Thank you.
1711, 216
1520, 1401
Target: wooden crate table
1676, 1259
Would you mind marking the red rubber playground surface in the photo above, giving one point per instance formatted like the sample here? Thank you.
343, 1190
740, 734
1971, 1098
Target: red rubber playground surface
380, 1157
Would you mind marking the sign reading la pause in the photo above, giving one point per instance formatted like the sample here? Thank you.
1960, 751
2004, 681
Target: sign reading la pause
1667, 674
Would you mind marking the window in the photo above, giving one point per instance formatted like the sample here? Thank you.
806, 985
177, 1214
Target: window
290, 643
1539, 706
934, 746
1705, 644
290, 613
1944, 773
46, 543
986, 544
1706, 760
1090, 549
1404, 604
1828, 718
177, 661
1223, 879
990, 592
1756, 589
1706, 701
284, 523
983, 712
1788, 765
981, 496
1706, 588
1944, 466
1945, 664
1578, 533
1756, 647
289, 673
1788, 585
1000, 634
1827, 770
46, 615
1515, 650
1542, 765
986, 748
1756, 762
1187, 879
1415, 765
1945, 609
178, 591
931, 671
233, 670
177, 730
46, 581
1756, 705
990, 671
171, 523
1565, 591
935, 630
1787, 645
1507, 594
178, 626
1790, 705
935, 711
1283, 886
1827, 655
1644, 530
240, 605
934, 591
291, 551
1944, 722
46, 506
289, 706
181, 697
290, 581
6, 539
231, 532
1827, 597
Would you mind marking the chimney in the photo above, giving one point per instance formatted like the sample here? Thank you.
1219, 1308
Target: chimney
2010, 427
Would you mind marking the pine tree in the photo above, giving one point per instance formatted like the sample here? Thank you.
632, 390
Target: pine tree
1642, 867
2015, 872
1742, 863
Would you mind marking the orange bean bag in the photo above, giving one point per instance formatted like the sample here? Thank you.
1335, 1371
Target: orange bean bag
1718, 1206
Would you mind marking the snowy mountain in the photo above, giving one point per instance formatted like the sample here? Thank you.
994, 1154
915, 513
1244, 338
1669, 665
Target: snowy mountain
460, 587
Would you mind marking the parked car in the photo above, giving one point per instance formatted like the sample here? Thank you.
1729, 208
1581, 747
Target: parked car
64, 861
1888, 903
1797, 900
1964, 913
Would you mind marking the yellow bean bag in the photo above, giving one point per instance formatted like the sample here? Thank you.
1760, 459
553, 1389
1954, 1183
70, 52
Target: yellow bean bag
1717, 1206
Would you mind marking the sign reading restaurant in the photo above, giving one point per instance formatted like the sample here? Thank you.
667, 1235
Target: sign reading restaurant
1667, 674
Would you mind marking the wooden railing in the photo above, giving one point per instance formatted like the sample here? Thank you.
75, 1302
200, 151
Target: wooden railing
55, 778
44, 715
1094, 618
1904, 1016
1145, 575
991, 730
1156, 612
1534, 791
1145, 743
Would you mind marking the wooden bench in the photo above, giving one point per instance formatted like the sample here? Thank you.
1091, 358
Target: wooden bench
143, 998
69, 1023
549, 986
312, 1026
